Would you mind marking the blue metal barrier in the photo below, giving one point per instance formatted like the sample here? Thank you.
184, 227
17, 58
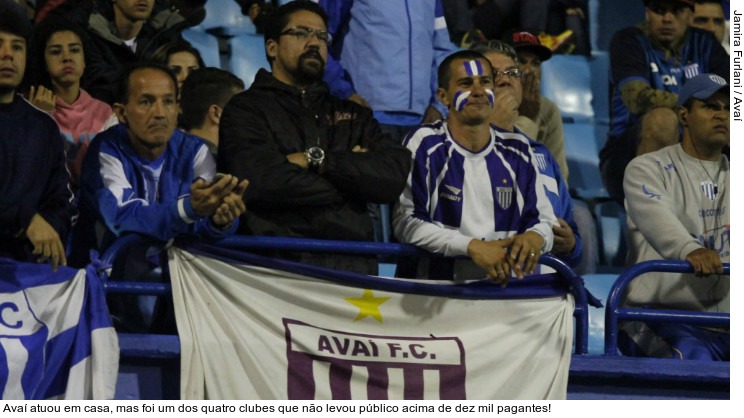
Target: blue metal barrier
107, 259
252, 243
319, 245
615, 313
581, 309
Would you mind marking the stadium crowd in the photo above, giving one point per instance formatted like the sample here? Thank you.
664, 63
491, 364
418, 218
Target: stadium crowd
110, 124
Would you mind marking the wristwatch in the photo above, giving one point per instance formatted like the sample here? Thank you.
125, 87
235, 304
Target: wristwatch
315, 157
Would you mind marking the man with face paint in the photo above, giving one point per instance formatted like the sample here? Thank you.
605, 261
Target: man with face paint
474, 189
508, 90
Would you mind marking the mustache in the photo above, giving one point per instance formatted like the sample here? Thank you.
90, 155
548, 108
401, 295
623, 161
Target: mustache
312, 54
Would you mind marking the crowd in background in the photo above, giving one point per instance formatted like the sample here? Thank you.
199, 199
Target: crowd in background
129, 152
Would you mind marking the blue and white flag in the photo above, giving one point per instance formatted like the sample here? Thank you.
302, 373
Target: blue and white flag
259, 328
56, 337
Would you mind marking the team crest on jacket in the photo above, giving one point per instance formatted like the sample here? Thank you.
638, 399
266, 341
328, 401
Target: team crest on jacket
709, 189
692, 70
540, 158
504, 196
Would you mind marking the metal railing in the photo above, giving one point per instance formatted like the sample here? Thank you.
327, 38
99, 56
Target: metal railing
615, 313
574, 282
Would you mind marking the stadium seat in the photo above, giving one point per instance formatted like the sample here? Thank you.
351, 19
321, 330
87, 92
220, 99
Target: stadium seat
582, 155
599, 65
607, 17
599, 285
247, 55
567, 80
206, 44
224, 18
385, 221
612, 227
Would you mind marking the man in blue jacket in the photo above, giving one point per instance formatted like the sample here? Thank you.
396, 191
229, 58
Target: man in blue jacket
145, 176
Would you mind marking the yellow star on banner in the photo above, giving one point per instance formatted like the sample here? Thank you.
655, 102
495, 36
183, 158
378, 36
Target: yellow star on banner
368, 305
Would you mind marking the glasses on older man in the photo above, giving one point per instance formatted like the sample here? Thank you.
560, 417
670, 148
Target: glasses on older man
304, 34
511, 73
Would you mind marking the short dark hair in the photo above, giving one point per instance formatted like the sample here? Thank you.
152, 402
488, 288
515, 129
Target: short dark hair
280, 18
716, 2
499, 47
163, 52
14, 20
688, 104
38, 71
444, 71
203, 88
124, 84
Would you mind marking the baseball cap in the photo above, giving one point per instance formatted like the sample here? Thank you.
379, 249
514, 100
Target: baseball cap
701, 87
690, 3
523, 40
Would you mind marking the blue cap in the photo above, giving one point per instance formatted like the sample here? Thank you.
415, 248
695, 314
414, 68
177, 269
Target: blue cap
701, 87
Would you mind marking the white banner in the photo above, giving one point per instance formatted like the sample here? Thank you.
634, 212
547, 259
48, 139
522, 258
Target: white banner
250, 332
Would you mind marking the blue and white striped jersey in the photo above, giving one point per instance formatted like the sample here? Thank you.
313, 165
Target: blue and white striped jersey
454, 195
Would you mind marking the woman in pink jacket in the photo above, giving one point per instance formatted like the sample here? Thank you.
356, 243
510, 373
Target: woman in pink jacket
58, 64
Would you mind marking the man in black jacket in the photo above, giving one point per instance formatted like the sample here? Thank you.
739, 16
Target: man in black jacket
35, 198
314, 161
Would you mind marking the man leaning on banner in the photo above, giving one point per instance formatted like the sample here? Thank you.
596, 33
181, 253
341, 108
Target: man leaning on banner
144, 176
474, 190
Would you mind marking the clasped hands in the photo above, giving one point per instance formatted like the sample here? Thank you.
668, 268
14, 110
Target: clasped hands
221, 200
519, 254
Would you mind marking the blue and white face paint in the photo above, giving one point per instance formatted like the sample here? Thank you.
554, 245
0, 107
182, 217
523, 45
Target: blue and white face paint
472, 68
489, 93
461, 99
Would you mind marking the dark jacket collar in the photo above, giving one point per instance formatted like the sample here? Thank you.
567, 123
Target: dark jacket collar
266, 80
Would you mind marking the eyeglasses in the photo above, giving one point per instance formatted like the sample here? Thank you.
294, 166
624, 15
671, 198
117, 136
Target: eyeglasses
511, 73
303, 34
